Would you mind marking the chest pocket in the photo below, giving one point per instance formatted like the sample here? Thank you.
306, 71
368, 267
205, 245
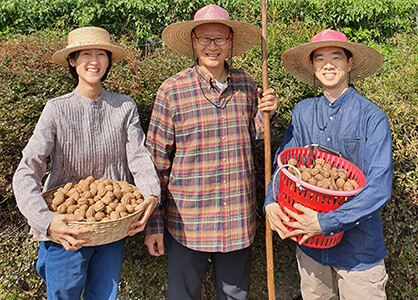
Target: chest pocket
353, 149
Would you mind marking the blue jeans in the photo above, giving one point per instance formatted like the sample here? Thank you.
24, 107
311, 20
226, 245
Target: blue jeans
96, 270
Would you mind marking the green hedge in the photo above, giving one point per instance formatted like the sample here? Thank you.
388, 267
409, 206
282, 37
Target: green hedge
361, 20
29, 79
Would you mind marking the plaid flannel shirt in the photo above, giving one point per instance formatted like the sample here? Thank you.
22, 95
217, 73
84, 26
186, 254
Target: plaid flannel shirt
200, 140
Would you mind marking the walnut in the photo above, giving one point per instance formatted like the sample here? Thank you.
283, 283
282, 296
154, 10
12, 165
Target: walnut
334, 173
347, 186
120, 208
325, 172
91, 219
71, 209
306, 175
313, 181
99, 215
319, 161
353, 183
99, 206
114, 215
315, 171
292, 162
95, 200
340, 182
343, 174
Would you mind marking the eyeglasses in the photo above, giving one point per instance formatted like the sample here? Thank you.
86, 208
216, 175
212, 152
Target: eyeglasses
204, 41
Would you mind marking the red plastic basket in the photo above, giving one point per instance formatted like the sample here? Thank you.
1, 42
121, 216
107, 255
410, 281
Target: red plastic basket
294, 190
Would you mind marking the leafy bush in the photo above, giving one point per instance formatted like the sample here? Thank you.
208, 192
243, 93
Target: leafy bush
361, 20
30, 79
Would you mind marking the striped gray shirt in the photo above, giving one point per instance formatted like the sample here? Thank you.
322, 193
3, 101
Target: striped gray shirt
83, 137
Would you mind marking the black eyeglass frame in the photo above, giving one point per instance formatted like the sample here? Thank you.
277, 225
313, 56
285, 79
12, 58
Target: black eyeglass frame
212, 40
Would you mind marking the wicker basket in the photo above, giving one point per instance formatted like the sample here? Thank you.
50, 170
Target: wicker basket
294, 190
104, 232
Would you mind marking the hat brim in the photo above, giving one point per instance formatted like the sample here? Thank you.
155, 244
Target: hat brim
366, 60
177, 36
118, 53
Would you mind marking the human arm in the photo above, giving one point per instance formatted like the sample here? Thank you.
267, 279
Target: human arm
377, 162
272, 209
60, 232
155, 244
161, 144
27, 180
27, 183
267, 101
143, 171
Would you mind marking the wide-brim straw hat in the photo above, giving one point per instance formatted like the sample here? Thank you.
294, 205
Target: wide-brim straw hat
89, 38
296, 61
177, 36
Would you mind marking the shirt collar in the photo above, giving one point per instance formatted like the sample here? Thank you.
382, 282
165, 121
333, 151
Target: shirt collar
343, 98
85, 99
207, 81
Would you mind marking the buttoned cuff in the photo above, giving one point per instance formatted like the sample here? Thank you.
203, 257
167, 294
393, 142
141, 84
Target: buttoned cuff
329, 224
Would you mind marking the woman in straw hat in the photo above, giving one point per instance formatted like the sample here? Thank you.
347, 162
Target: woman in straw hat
199, 137
340, 119
88, 132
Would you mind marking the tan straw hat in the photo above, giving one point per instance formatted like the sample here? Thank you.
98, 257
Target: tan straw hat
88, 38
296, 61
177, 36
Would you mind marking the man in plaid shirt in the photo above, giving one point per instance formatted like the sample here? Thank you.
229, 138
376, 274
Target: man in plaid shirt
202, 125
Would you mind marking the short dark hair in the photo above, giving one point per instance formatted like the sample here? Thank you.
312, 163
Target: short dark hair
347, 53
74, 55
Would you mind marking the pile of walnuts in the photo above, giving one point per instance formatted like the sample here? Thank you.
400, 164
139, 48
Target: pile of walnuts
95, 200
323, 175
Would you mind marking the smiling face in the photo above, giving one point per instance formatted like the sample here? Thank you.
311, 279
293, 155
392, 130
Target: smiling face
90, 65
212, 56
331, 67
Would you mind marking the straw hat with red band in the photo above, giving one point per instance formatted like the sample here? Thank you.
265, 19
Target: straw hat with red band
296, 61
177, 36
89, 38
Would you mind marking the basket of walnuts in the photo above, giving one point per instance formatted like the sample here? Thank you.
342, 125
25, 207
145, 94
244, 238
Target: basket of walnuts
107, 207
318, 180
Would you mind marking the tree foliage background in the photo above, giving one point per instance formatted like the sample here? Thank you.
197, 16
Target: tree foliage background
30, 31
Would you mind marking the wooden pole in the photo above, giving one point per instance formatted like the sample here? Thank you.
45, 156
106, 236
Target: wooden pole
267, 153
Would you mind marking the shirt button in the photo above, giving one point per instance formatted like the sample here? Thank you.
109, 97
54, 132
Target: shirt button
357, 223
332, 233
328, 139
225, 203
224, 160
331, 118
224, 138
225, 181
330, 104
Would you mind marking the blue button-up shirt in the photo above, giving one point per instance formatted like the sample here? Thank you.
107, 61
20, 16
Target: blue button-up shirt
360, 130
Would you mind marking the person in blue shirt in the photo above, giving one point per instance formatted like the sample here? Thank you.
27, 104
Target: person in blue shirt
342, 119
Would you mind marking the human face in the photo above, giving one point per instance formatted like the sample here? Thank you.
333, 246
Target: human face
212, 56
90, 65
331, 67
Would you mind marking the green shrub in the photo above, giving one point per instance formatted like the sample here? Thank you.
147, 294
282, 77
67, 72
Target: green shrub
361, 20
30, 79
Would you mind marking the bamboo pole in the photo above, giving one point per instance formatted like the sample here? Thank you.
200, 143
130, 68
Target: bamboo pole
267, 153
